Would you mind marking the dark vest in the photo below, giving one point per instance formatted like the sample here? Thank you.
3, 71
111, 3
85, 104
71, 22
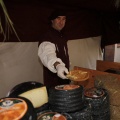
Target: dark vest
56, 37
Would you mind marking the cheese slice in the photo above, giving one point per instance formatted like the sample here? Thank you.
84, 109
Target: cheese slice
78, 75
37, 96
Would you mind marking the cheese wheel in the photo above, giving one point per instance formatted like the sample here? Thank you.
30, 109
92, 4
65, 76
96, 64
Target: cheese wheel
37, 96
58, 117
16, 109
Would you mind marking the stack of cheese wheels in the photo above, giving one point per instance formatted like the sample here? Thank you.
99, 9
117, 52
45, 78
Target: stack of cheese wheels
33, 91
66, 98
16, 109
98, 98
83, 114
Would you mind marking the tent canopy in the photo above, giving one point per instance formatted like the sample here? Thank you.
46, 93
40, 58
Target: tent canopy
84, 19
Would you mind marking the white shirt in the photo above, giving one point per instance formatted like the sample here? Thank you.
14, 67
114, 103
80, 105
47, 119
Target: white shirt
47, 55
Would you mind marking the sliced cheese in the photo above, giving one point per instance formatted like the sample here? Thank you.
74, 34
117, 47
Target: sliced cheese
37, 96
77, 75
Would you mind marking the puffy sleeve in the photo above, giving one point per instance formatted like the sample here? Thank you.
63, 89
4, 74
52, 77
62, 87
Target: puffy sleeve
47, 55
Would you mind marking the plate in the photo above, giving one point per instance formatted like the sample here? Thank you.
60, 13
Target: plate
78, 75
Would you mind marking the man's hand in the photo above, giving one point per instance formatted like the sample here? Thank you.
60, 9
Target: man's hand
61, 70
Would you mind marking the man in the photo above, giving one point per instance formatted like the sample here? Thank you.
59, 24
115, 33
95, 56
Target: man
53, 52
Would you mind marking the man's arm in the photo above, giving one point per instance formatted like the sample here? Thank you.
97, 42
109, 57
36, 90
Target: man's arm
47, 55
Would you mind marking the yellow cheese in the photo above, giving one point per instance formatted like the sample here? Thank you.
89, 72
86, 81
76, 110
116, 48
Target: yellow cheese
37, 96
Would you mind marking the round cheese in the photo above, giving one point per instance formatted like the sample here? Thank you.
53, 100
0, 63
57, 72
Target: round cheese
16, 109
37, 96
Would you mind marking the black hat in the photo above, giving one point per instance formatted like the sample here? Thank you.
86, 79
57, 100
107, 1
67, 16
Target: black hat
56, 13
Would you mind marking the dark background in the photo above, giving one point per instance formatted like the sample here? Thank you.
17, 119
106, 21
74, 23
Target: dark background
85, 18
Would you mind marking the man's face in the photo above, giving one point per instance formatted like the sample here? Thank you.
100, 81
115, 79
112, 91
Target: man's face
59, 22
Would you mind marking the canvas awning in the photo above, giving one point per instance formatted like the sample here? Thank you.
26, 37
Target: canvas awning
85, 19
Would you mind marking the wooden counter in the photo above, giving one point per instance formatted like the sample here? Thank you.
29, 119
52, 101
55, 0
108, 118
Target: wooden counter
105, 65
90, 82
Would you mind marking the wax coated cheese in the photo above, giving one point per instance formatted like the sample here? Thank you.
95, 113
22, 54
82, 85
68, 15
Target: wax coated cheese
37, 96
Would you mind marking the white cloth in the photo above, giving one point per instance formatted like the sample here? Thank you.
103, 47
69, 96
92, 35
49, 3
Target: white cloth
47, 55
85, 52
